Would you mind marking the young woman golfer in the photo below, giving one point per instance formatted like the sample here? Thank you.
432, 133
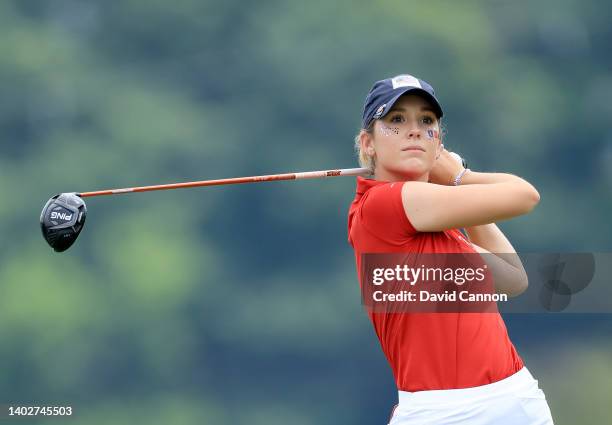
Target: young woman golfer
450, 368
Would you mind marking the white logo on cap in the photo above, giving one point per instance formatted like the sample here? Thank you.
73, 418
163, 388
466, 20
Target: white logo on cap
405, 81
379, 111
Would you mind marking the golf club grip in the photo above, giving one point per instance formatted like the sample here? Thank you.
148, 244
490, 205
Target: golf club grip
235, 180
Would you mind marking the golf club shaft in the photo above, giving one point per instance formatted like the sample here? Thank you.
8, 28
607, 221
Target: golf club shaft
235, 180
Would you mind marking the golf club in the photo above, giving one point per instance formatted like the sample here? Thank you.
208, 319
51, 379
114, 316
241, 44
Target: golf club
63, 216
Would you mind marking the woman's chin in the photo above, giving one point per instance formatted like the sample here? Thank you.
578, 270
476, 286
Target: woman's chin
412, 168
406, 175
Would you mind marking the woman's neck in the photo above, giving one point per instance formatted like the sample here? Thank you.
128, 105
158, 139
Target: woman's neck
389, 176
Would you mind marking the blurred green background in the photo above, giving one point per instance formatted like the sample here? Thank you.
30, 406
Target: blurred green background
231, 305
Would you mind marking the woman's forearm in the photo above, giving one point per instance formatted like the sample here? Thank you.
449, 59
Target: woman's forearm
490, 237
524, 195
511, 280
475, 177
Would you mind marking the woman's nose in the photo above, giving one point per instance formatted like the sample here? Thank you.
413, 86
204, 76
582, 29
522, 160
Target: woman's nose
414, 134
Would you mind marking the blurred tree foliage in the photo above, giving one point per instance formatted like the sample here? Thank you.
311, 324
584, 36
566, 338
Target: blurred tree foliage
240, 304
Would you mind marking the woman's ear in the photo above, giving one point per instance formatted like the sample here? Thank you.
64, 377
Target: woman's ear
367, 143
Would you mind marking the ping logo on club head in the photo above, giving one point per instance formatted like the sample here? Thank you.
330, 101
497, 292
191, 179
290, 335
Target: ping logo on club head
60, 216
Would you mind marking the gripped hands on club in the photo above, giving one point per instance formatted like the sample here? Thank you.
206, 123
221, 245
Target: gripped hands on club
446, 168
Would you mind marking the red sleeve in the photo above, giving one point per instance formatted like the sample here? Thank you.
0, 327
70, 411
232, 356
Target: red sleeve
382, 213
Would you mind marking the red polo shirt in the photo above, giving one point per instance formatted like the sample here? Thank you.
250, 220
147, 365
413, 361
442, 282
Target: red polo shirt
427, 351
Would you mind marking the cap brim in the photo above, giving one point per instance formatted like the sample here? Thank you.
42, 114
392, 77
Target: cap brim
434, 102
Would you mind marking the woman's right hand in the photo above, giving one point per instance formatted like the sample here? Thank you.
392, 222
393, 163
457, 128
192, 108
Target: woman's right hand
445, 169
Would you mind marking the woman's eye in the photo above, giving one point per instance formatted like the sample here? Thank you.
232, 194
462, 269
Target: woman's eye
427, 120
396, 118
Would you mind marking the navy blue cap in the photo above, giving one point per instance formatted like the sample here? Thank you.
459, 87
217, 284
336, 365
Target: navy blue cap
385, 93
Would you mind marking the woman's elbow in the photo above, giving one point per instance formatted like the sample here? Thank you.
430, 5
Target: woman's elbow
530, 199
519, 289
519, 286
534, 196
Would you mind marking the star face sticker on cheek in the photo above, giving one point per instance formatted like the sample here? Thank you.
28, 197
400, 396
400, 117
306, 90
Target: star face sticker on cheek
385, 130
388, 131
432, 134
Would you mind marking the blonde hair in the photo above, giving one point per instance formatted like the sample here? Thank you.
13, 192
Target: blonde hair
365, 160
369, 162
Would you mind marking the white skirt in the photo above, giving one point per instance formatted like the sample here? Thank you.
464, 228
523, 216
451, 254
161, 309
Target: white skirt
515, 400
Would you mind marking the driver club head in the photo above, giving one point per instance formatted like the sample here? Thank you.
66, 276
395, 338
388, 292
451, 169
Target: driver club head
62, 219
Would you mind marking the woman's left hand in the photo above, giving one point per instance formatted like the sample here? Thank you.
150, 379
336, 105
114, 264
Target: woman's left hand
445, 169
